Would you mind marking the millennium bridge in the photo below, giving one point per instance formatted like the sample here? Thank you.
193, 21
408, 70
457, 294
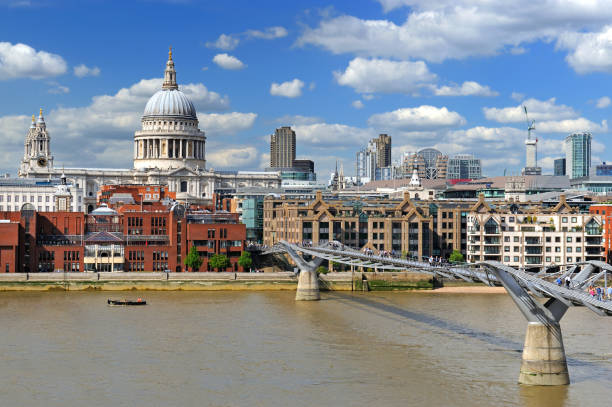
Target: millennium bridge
541, 301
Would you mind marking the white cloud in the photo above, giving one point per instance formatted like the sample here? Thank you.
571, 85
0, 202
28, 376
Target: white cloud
226, 61
517, 96
436, 30
82, 71
417, 118
269, 33
103, 129
384, 76
358, 104
23, 61
603, 102
240, 156
297, 120
58, 89
325, 135
468, 88
290, 89
537, 109
589, 52
224, 42
571, 126
225, 124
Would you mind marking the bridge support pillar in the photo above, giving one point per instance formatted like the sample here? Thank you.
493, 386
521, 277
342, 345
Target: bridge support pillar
544, 361
308, 286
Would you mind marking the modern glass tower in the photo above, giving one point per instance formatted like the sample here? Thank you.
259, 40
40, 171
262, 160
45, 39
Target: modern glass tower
578, 155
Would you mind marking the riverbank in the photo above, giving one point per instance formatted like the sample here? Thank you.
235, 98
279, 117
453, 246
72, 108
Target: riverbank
209, 281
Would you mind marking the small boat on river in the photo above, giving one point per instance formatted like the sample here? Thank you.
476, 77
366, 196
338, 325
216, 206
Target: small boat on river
139, 301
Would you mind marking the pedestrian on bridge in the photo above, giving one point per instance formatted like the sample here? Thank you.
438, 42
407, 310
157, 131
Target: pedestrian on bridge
567, 282
609, 293
559, 282
598, 291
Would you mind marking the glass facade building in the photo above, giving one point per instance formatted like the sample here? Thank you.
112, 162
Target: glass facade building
578, 155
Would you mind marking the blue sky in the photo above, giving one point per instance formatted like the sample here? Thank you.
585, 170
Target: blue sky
430, 73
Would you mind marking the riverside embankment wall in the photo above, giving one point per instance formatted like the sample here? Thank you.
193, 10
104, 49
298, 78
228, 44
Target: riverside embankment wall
206, 281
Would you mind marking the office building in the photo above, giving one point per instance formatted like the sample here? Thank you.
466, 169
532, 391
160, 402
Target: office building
156, 238
415, 228
604, 170
578, 155
559, 166
464, 166
282, 148
383, 150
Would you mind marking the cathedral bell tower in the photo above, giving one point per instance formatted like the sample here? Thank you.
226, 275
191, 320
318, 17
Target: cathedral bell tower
37, 156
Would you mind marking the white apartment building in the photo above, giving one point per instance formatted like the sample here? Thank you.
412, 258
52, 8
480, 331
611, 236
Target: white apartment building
532, 237
41, 194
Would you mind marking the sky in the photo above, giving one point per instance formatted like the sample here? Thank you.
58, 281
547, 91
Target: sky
448, 74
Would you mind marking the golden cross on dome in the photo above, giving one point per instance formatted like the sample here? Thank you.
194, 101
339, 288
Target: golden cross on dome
33, 118
170, 54
40, 111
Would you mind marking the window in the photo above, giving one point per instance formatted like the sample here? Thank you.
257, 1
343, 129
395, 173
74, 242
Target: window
516, 239
578, 249
548, 259
557, 259
568, 249
548, 250
506, 258
517, 249
506, 248
557, 250
569, 259
569, 239
506, 238
511, 219
516, 259
548, 239
574, 219
564, 219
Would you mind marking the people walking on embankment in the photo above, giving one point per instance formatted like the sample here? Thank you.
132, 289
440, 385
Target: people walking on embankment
609, 293
598, 291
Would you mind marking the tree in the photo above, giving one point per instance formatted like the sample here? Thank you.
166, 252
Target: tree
219, 261
322, 270
456, 257
245, 260
193, 259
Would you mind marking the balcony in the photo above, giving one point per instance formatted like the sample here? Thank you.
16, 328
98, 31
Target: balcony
492, 240
533, 240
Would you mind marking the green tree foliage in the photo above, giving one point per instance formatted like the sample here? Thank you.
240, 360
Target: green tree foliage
456, 257
193, 260
245, 260
219, 261
322, 270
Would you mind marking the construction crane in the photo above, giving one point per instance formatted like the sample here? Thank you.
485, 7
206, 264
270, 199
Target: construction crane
530, 125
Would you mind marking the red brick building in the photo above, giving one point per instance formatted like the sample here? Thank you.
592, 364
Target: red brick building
605, 210
157, 238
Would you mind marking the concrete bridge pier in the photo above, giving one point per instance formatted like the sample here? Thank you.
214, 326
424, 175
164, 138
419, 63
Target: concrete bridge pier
308, 286
544, 361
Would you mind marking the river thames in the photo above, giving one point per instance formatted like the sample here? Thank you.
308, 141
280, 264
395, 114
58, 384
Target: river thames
265, 349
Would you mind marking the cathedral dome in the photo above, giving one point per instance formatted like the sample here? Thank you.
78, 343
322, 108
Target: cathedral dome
170, 103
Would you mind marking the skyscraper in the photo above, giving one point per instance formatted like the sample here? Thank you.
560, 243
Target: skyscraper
383, 149
578, 155
282, 148
560, 166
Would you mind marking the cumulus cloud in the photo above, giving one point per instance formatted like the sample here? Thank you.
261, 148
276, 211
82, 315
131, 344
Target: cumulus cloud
226, 61
23, 61
417, 118
517, 96
81, 71
269, 33
468, 88
240, 156
290, 89
384, 76
537, 109
226, 124
444, 29
325, 135
358, 104
603, 102
589, 52
572, 125
224, 42
103, 129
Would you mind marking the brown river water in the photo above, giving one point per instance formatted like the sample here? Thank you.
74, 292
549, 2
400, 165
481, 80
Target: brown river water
265, 349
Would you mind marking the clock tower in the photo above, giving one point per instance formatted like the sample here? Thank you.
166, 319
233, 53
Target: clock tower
37, 156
